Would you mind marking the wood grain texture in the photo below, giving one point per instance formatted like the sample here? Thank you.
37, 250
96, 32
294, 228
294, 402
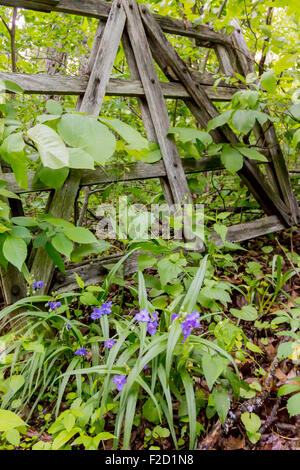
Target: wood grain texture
62, 203
100, 9
66, 85
156, 103
204, 110
266, 134
134, 172
104, 61
95, 271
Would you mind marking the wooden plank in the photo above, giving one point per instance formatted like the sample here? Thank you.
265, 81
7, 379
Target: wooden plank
63, 201
268, 132
103, 64
144, 109
111, 174
157, 106
204, 110
94, 271
63, 85
257, 228
100, 9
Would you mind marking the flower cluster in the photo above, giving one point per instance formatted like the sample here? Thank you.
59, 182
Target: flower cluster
152, 320
120, 381
109, 343
38, 285
81, 352
105, 309
191, 321
54, 305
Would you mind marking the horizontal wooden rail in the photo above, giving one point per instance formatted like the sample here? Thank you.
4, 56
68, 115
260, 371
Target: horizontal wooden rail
94, 271
64, 85
100, 9
111, 173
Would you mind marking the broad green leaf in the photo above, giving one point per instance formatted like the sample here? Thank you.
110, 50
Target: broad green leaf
84, 250
219, 120
12, 151
268, 81
168, 271
88, 134
222, 402
80, 235
80, 159
150, 412
295, 111
13, 437
52, 178
252, 153
213, 366
7, 85
187, 134
64, 437
288, 388
55, 256
243, 120
231, 158
53, 152
15, 251
54, 107
247, 313
9, 420
62, 244
251, 422
285, 350
128, 133
293, 405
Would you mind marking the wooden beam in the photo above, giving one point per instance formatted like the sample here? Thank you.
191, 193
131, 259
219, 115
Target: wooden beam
156, 104
204, 110
100, 9
63, 85
63, 201
93, 271
135, 171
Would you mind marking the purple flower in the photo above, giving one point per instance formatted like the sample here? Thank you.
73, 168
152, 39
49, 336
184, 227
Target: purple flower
143, 316
69, 326
191, 321
152, 324
54, 305
193, 318
96, 314
105, 309
146, 366
109, 343
151, 328
174, 317
120, 381
38, 285
81, 352
186, 330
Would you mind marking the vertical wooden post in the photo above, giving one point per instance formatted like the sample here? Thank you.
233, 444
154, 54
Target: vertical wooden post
145, 112
64, 198
267, 131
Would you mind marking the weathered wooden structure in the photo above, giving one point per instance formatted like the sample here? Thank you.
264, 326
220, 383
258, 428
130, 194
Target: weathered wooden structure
143, 37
